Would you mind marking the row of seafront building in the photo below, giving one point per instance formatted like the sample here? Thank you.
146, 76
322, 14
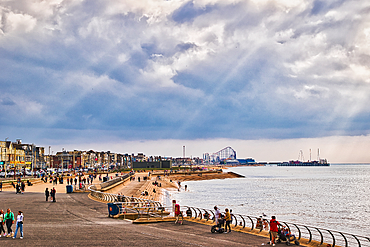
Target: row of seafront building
17, 155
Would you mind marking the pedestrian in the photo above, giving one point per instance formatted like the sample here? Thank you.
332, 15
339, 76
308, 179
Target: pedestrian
19, 225
67, 181
18, 188
186, 187
47, 194
23, 186
273, 229
1, 186
53, 192
1, 223
227, 219
217, 214
9, 221
75, 180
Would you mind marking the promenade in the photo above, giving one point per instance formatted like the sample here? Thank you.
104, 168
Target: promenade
76, 220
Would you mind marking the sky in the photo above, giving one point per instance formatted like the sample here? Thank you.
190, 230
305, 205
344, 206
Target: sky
267, 77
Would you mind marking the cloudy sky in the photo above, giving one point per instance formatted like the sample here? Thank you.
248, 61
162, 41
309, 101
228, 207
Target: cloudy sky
267, 77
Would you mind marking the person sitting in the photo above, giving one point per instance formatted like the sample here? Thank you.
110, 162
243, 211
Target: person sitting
206, 215
290, 237
259, 223
188, 212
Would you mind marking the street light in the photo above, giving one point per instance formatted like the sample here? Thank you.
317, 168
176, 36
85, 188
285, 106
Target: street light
49, 157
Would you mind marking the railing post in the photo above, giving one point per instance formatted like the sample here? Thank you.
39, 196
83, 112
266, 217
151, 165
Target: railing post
345, 239
309, 241
200, 212
213, 218
332, 237
251, 222
358, 241
195, 212
299, 232
243, 220
236, 221
322, 237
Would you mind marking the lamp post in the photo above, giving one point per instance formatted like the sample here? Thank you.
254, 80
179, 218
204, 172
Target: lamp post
49, 157
5, 157
15, 162
33, 159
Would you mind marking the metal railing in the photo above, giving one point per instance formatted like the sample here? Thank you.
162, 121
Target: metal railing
115, 180
305, 233
107, 197
126, 200
142, 211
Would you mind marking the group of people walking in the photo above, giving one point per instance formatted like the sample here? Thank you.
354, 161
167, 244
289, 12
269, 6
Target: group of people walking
8, 220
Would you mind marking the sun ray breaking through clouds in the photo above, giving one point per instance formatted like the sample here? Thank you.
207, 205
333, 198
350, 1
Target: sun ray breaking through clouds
79, 72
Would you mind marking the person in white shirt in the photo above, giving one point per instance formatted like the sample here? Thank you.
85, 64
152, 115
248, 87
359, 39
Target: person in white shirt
217, 214
1, 223
19, 225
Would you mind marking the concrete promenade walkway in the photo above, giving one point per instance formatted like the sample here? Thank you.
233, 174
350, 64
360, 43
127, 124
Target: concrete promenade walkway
75, 220
60, 188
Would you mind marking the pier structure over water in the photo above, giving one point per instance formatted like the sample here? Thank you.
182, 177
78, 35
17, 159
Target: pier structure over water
227, 153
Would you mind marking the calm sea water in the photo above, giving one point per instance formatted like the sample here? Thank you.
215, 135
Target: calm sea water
335, 197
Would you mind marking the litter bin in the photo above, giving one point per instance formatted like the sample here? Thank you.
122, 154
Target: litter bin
113, 209
69, 188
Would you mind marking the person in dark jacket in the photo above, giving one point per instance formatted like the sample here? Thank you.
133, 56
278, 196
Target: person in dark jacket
17, 188
23, 186
47, 194
53, 192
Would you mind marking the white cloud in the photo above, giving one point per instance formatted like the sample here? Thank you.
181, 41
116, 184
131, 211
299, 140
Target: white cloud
201, 69
19, 22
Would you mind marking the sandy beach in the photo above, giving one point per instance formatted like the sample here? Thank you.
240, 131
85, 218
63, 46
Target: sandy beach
151, 187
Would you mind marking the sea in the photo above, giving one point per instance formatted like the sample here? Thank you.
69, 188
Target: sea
336, 197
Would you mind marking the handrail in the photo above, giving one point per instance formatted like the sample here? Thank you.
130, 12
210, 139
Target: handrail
110, 198
115, 180
305, 232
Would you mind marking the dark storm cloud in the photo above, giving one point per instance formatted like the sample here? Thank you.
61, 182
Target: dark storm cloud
185, 70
